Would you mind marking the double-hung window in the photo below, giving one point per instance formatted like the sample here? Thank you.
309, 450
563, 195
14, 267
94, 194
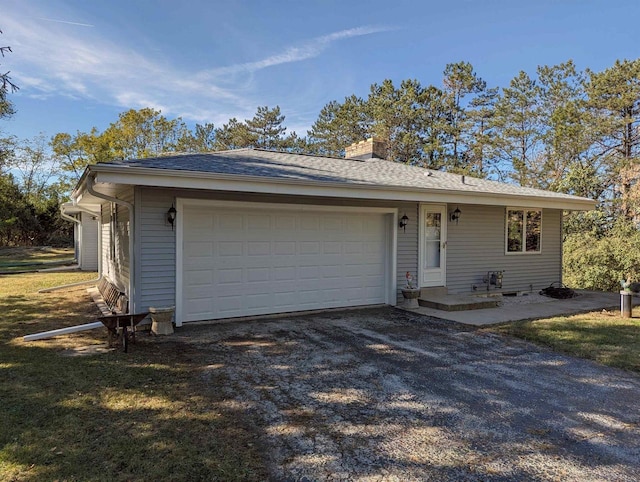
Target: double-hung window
524, 231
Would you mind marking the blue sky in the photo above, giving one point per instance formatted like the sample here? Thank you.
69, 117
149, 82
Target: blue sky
80, 63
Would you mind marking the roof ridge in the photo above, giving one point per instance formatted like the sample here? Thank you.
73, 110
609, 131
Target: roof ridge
305, 154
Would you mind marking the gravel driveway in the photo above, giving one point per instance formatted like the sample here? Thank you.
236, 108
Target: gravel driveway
382, 394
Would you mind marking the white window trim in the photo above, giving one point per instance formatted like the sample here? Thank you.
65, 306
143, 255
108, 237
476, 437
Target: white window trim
524, 252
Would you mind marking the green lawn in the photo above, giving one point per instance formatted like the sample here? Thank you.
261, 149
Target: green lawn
150, 414
19, 259
601, 336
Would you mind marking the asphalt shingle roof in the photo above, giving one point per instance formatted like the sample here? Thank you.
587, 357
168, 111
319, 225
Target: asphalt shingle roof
371, 172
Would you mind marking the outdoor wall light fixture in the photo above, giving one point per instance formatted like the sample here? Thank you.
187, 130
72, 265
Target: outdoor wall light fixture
171, 216
403, 222
455, 215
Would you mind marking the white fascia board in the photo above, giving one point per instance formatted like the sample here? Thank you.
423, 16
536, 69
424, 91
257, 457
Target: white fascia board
299, 187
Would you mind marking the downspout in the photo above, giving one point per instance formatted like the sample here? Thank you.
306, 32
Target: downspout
90, 183
100, 275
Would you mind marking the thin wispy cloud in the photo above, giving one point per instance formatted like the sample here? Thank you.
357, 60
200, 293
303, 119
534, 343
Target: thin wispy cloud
79, 24
306, 50
81, 63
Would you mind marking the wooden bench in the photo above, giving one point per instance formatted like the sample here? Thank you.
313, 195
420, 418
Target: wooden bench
114, 305
115, 301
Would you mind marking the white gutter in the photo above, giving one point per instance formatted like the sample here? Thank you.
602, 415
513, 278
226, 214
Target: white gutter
129, 206
64, 215
63, 331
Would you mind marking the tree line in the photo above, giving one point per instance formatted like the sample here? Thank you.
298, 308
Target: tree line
557, 128
562, 129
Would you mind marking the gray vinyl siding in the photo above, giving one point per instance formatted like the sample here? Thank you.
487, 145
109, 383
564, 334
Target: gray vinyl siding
88, 245
476, 244
156, 268
156, 257
116, 268
407, 259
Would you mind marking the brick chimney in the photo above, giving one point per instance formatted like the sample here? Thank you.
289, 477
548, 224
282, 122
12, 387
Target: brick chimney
369, 149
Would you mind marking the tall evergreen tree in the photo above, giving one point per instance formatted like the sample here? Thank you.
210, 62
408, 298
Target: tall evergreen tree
517, 122
266, 130
459, 82
433, 121
339, 125
568, 133
614, 100
397, 116
479, 137
232, 135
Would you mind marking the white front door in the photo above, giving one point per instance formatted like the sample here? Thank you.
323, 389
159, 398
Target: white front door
433, 243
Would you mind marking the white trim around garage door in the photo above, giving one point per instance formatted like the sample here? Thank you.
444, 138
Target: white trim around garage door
391, 232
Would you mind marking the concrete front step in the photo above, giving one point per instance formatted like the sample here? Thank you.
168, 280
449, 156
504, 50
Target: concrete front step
457, 302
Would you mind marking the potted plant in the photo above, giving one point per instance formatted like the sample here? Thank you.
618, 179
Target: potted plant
410, 292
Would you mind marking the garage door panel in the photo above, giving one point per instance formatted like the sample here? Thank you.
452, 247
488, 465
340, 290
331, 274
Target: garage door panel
231, 304
257, 222
199, 307
201, 278
227, 248
225, 276
284, 273
309, 248
257, 274
239, 262
259, 248
310, 223
201, 292
284, 248
257, 301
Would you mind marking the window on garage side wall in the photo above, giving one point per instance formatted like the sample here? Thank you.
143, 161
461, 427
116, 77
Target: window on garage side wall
524, 231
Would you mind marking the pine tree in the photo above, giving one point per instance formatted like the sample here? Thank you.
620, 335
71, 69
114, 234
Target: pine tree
339, 125
517, 124
459, 82
266, 130
614, 101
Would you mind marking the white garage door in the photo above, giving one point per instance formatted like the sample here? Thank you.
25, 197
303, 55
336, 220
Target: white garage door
242, 262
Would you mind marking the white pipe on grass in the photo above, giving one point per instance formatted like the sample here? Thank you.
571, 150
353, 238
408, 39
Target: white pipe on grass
63, 331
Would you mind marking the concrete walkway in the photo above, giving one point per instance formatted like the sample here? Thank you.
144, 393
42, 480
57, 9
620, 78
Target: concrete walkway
540, 308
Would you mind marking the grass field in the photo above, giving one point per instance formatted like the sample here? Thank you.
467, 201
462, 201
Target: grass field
145, 415
601, 336
20, 259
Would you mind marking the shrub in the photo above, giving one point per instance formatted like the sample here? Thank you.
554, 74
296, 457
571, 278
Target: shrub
599, 262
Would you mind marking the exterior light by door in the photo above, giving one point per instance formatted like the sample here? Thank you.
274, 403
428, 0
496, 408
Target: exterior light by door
455, 215
171, 216
403, 222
